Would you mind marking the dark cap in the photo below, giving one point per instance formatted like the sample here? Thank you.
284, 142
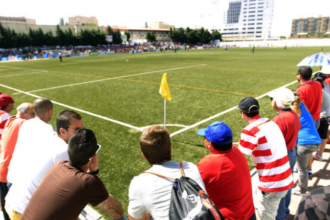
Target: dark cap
249, 105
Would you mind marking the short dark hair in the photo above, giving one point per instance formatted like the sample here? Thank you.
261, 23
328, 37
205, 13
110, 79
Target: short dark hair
251, 114
42, 105
155, 144
305, 72
224, 147
82, 146
63, 119
3, 107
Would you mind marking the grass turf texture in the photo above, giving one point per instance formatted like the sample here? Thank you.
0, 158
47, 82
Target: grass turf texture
198, 93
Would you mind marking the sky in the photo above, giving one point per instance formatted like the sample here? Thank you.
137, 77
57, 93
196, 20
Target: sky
134, 13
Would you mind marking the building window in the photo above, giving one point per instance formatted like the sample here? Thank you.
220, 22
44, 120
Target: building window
251, 28
252, 19
244, 20
260, 15
244, 12
259, 23
259, 19
260, 11
252, 11
258, 36
244, 28
252, 4
251, 32
258, 32
260, 6
251, 24
260, 3
259, 27
252, 8
250, 16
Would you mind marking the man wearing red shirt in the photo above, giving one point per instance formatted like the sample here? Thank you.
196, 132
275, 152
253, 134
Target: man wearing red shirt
289, 123
226, 174
310, 92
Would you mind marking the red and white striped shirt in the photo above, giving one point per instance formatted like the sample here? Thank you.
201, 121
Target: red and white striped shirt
3, 119
264, 142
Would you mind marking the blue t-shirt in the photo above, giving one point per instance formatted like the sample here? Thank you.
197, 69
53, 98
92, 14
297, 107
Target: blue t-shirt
308, 133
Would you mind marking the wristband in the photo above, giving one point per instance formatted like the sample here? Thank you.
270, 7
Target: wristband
95, 172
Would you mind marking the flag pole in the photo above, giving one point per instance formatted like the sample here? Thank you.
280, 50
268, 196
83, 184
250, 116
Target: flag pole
165, 113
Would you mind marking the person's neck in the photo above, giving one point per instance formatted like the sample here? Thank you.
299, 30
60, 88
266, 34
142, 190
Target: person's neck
42, 118
304, 81
151, 164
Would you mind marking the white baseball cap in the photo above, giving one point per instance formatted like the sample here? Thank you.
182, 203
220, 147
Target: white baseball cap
283, 97
326, 69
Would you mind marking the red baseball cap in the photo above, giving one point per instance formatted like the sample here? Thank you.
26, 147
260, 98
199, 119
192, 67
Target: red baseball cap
5, 99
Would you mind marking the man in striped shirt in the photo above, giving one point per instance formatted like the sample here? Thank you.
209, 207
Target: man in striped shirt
263, 140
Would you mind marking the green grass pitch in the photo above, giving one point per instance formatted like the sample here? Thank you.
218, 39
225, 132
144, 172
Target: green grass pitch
124, 88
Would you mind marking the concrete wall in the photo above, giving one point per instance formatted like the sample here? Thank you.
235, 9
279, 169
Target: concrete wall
281, 43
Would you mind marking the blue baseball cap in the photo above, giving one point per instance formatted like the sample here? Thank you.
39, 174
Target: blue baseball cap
217, 132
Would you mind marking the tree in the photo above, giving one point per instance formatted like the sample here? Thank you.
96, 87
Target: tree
151, 37
109, 30
116, 37
128, 35
146, 25
90, 24
216, 35
61, 22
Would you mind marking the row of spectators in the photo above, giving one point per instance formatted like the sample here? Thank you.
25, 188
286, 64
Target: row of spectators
53, 175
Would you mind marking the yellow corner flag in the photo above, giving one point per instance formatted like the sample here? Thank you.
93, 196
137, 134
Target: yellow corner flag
164, 90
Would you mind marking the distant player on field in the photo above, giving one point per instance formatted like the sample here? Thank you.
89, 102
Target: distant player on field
60, 56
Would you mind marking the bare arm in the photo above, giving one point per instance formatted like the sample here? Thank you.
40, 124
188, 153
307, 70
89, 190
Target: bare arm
111, 207
145, 217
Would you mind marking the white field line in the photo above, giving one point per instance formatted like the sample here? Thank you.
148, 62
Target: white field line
24, 68
21, 74
167, 125
222, 113
77, 109
100, 80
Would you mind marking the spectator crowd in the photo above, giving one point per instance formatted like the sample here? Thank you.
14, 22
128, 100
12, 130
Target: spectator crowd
47, 174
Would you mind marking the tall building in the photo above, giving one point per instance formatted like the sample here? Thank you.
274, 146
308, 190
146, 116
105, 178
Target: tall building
81, 20
233, 12
17, 20
303, 27
253, 21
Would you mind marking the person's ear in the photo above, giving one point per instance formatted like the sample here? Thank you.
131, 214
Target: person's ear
63, 131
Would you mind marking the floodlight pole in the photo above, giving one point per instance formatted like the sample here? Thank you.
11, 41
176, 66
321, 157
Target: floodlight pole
165, 113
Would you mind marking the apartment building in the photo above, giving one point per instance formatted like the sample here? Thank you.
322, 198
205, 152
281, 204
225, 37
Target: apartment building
82, 20
304, 27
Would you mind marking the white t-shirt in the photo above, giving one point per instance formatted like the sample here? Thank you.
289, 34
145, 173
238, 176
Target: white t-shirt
151, 193
37, 150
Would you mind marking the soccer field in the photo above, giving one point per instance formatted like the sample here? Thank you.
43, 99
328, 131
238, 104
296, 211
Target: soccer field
117, 96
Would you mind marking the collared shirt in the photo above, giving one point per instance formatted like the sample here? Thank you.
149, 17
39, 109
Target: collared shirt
264, 142
38, 149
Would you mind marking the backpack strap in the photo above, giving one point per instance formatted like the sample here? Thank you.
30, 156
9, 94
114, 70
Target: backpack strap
182, 173
160, 175
181, 168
